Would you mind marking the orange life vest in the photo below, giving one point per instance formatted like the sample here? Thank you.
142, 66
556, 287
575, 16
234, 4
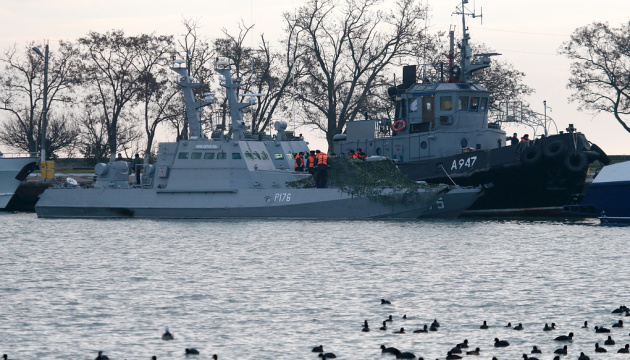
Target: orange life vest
298, 161
322, 159
311, 161
355, 155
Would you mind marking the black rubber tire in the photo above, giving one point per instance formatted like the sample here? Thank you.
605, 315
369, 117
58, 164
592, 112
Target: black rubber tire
603, 158
554, 148
575, 161
531, 155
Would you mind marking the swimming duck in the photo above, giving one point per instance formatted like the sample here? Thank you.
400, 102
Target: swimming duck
192, 351
167, 335
624, 350
599, 349
484, 325
423, 330
390, 319
401, 331
536, 350
318, 349
215, 357
473, 352
601, 329
464, 344
518, 327
620, 310
530, 358
619, 324
406, 355
585, 325
583, 357
500, 343
561, 351
327, 356
4, 356
153, 357
565, 337
385, 302
389, 350
405, 316
456, 350
451, 356
435, 323
101, 356
609, 341
384, 327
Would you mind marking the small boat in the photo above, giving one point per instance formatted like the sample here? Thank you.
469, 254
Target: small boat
14, 168
239, 175
607, 197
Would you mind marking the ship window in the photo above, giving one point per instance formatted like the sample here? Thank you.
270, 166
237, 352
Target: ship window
413, 105
463, 86
278, 156
464, 143
265, 156
249, 156
428, 104
236, 156
462, 103
446, 103
182, 155
195, 156
484, 103
378, 151
208, 156
289, 156
474, 103
221, 156
423, 145
256, 155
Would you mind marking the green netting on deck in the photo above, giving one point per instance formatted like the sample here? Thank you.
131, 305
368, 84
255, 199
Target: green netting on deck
369, 178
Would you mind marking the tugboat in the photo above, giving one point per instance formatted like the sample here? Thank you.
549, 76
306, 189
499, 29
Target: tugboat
441, 134
13, 170
233, 175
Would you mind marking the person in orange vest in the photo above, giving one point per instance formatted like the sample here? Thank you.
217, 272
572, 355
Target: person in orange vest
311, 162
299, 162
360, 154
352, 154
321, 176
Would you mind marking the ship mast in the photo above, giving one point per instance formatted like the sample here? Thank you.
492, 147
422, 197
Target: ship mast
469, 63
192, 106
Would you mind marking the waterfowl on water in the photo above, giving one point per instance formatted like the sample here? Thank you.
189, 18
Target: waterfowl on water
565, 337
518, 327
500, 343
327, 356
389, 350
529, 358
583, 357
401, 331
385, 302
390, 319
609, 341
405, 316
508, 325
456, 350
619, 324
384, 327
153, 357
167, 334
435, 323
599, 349
585, 325
464, 344
192, 351
473, 352
423, 330
624, 350
561, 351
101, 356
536, 350
549, 328
451, 356
318, 349
406, 355
484, 325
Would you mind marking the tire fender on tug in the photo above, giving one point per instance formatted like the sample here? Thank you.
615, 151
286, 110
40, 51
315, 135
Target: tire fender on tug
531, 155
554, 149
575, 161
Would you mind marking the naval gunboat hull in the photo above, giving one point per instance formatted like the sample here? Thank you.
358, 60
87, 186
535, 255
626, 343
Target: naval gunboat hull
327, 203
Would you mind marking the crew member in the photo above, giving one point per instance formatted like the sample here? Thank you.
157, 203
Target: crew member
137, 166
299, 162
360, 154
311, 162
525, 137
322, 169
352, 154
514, 139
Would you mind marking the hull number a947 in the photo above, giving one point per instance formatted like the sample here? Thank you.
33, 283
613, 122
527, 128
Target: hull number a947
282, 197
467, 162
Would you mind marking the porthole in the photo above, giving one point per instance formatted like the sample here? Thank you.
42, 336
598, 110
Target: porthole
423, 145
464, 143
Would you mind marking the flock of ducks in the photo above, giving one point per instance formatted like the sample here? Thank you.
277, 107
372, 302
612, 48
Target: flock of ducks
461, 349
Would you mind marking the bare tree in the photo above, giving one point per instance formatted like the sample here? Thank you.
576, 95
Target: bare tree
345, 49
600, 73
22, 93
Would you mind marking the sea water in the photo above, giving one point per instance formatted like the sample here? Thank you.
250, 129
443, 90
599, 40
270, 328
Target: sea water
273, 289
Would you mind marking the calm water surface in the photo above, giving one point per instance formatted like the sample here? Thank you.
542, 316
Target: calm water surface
274, 289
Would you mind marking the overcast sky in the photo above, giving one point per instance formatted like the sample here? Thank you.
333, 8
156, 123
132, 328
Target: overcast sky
526, 33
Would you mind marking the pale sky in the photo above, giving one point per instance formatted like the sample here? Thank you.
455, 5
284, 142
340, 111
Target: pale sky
528, 34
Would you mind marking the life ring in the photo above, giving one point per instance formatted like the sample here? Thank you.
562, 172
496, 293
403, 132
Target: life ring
576, 161
399, 125
554, 149
603, 158
531, 155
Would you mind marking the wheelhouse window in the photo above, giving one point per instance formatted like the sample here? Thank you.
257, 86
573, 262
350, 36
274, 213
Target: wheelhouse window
249, 156
208, 156
446, 103
484, 103
256, 155
462, 103
413, 105
289, 156
265, 156
236, 156
195, 156
474, 103
221, 156
278, 156
182, 155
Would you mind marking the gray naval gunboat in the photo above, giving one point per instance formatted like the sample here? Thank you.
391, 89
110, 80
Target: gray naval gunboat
233, 175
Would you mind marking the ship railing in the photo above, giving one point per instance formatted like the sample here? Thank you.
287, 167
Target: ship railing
17, 155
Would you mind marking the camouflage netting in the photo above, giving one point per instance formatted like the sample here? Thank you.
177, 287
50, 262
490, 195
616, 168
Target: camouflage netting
368, 178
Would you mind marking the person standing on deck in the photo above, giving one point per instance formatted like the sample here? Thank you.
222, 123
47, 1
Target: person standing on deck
137, 166
321, 176
299, 162
311, 162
